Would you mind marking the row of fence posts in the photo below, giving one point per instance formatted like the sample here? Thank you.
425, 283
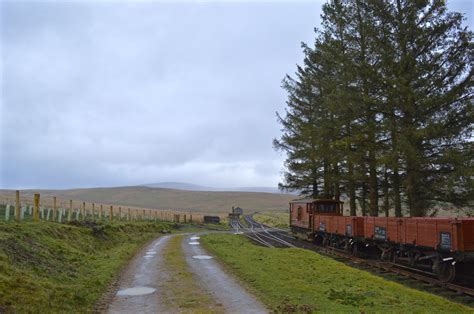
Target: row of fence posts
61, 214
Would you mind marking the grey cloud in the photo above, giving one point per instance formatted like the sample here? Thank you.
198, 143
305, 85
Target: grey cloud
100, 93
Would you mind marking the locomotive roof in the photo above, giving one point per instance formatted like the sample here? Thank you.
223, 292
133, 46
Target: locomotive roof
312, 200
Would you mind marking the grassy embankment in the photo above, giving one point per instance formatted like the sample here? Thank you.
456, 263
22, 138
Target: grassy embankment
65, 268
273, 219
297, 280
182, 291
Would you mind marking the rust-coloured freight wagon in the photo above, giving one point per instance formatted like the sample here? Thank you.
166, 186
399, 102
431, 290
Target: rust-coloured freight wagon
350, 226
445, 234
383, 228
432, 244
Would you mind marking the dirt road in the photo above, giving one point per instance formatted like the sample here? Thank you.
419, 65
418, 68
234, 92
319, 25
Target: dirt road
175, 275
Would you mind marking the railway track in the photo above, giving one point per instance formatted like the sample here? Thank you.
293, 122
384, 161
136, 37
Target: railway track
260, 233
278, 238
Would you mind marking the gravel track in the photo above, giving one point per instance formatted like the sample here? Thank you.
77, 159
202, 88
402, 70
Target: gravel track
149, 270
143, 272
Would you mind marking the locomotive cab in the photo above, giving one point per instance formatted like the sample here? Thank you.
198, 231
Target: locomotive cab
328, 207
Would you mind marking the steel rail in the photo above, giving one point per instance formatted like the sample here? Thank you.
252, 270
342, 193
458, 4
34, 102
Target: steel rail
265, 229
250, 233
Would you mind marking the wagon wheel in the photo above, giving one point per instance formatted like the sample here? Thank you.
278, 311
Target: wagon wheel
412, 261
393, 256
347, 247
386, 254
446, 272
355, 250
325, 241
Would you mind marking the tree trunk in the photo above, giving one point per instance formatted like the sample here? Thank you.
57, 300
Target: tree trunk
414, 196
363, 201
351, 188
337, 187
386, 197
315, 184
373, 188
327, 181
397, 203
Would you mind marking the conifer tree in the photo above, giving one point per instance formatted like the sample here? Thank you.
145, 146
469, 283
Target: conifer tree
382, 108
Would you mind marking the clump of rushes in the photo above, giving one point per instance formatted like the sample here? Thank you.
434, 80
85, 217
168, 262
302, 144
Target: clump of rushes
301, 281
65, 267
273, 219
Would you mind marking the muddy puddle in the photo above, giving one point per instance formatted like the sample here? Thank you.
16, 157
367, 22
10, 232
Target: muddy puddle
202, 257
135, 291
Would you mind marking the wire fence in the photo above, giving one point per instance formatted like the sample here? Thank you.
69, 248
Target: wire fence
24, 209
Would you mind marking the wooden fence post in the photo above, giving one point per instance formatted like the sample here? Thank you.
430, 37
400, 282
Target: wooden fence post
111, 213
69, 214
101, 212
36, 207
17, 206
190, 218
55, 208
93, 211
128, 216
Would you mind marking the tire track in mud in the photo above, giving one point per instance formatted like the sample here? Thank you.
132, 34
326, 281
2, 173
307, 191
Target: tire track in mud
225, 289
146, 269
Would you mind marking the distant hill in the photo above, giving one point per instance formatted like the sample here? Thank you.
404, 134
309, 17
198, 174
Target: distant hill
172, 199
180, 186
196, 187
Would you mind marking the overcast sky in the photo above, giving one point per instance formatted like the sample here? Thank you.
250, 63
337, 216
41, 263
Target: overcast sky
102, 93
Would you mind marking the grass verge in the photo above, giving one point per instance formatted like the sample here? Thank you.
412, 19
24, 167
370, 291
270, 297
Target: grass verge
65, 267
297, 280
182, 290
273, 219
